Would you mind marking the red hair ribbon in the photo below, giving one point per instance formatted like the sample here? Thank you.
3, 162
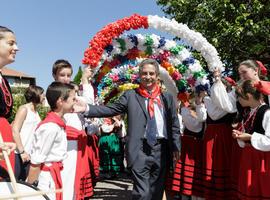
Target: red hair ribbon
262, 68
230, 81
263, 87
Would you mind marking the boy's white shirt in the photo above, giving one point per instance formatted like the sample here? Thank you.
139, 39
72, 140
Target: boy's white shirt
49, 144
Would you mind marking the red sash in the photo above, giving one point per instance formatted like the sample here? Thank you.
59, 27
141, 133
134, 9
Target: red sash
56, 167
82, 186
54, 170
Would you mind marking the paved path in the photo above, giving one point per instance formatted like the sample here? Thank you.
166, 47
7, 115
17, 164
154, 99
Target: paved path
111, 189
115, 189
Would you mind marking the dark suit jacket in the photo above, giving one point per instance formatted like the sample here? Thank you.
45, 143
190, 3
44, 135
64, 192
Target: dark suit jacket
134, 105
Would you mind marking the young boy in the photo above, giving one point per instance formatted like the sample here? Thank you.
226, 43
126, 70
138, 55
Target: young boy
50, 141
76, 173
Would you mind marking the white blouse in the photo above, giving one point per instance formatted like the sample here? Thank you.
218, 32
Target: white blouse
190, 122
224, 100
88, 94
212, 109
27, 131
259, 141
181, 123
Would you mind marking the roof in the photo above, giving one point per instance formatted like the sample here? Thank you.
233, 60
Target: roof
11, 72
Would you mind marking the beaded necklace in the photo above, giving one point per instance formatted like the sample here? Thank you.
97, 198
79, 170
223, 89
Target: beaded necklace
247, 125
6, 94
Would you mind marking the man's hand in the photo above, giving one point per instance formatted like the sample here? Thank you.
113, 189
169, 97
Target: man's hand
80, 106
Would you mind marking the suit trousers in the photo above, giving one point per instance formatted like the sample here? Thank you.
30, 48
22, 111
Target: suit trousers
149, 170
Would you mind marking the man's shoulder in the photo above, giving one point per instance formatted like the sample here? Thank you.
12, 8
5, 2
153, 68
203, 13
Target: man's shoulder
167, 94
130, 92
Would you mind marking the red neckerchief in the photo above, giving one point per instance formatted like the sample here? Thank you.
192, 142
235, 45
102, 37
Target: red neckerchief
54, 118
56, 167
154, 97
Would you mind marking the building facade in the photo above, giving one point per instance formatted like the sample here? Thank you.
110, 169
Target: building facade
18, 79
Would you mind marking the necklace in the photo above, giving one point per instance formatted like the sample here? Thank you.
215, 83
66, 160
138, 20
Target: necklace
7, 96
249, 122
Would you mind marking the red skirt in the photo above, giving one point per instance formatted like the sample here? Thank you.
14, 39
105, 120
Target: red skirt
216, 165
254, 174
235, 164
187, 174
93, 157
7, 136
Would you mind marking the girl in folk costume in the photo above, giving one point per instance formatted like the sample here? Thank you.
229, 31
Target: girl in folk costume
50, 142
251, 70
77, 176
23, 127
110, 149
8, 50
187, 174
121, 133
247, 70
254, 139
217, 144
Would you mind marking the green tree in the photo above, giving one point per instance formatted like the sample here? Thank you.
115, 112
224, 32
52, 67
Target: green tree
19, 99
238, 29
78, 76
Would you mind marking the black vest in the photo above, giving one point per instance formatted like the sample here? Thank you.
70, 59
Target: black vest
257, 125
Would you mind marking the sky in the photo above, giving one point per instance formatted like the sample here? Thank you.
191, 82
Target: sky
61, 29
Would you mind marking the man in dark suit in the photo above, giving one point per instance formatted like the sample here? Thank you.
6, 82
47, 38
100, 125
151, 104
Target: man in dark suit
153, 136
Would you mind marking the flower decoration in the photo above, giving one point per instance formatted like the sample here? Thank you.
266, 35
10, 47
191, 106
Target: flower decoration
93, 54
120, 63
110, 53
104, 37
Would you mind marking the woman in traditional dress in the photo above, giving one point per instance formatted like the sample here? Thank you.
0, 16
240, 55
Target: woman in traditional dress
217, 146
8, 50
